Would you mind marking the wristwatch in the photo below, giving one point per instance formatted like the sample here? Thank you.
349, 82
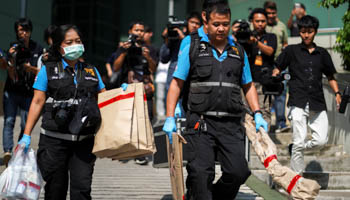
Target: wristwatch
337, 93
257, 111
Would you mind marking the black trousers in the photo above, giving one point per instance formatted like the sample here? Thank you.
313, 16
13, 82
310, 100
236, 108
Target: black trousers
61, 161
224, 141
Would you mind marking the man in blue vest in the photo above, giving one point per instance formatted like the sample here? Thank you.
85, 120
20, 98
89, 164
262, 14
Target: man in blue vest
211, 71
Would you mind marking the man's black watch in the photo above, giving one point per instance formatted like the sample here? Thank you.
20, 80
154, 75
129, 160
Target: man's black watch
337, 93
257, 111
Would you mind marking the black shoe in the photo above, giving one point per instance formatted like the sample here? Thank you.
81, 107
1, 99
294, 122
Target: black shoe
290, 147
141, 161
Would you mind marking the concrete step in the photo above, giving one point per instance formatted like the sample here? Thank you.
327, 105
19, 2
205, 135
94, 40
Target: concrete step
312, 163
327, 180
326, 151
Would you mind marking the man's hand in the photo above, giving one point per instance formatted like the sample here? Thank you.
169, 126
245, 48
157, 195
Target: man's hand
293, 12
12, 50
169, 127
259, 122
26, 141
275, 72
126, 45
338, 100
145, 52
252, 40
27, 67
181, 34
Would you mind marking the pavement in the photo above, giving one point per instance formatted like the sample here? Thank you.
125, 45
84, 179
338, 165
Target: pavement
117, 180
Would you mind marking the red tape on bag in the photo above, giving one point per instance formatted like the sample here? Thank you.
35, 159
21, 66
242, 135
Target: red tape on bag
268, 160
292, 183
115, 99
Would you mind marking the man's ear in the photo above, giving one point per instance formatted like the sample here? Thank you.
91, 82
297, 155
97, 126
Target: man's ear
204, 17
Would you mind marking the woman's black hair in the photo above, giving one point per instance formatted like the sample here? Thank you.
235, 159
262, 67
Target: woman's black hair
256, 11
308, 21
58, 37
49, 32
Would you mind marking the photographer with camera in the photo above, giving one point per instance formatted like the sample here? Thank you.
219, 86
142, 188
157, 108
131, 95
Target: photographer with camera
173, 36
22, 68
263, 46
298, 11
275, 26
65, 93
137, 62
260, 47
307, 63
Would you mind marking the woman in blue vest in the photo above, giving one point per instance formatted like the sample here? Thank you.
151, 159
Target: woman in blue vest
65, 92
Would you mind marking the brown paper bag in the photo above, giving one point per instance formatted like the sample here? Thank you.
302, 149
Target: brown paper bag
175, 166
125, 130
297, 186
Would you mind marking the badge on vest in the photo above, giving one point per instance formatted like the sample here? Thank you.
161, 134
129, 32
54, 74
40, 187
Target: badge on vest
89, 71
202, 47
235, 50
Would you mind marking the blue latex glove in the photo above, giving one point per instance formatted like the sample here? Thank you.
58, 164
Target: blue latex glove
169, 127
178, 110
26, 141
259, 121
124, 86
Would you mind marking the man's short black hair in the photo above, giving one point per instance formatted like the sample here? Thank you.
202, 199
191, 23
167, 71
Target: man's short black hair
49, 31
195, 15
270, 5
308, 21
209, 3
257, 11
25, 23
220, 8
131, 25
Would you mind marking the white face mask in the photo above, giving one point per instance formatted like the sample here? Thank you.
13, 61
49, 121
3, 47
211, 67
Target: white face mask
73, 52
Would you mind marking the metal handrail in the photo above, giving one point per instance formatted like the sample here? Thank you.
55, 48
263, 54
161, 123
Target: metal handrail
328, 30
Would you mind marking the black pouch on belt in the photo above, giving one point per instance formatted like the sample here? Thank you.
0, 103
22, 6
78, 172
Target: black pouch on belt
87, 115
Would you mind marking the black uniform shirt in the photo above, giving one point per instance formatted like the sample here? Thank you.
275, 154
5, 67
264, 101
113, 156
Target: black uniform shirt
268, 39
294, 30
306, 71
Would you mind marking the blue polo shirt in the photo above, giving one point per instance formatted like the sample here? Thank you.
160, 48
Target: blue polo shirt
183, 64
41, 79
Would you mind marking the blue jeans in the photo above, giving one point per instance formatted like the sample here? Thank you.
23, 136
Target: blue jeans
12, 103
279, 106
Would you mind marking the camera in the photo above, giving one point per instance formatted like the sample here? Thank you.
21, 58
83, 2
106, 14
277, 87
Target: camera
274, 84
345, 99
243, 33
21, 54
172, 24
62, 114
134, 50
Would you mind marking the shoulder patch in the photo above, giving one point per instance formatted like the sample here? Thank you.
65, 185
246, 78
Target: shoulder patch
235, 50
90, 71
